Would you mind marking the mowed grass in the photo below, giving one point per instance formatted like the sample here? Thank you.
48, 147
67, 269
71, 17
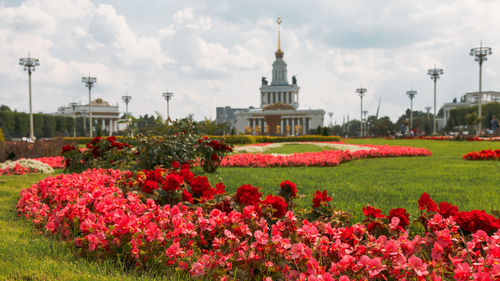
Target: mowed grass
388, 183
296, 148
385, 183
27, 255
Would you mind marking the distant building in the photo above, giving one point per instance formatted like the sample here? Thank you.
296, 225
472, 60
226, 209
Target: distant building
226, 115
279, 112
104, 114
469, 99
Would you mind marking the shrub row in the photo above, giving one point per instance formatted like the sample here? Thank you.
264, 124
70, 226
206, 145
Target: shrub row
42, 148
248, 139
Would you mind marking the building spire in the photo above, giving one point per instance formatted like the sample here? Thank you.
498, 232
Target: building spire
279, 53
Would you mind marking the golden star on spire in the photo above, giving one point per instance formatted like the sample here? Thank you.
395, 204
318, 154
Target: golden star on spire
279, 53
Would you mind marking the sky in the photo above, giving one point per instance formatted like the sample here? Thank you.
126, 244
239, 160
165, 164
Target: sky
214, 53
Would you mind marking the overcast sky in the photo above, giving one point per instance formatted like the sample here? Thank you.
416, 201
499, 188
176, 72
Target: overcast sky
214, 53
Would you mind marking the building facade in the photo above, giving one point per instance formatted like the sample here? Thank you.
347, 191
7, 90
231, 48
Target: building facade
279, 112
106, 116
469, 99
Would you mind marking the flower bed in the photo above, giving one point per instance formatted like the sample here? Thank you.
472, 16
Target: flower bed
245, 237
323, 158
56, 162
24, 166
483, 155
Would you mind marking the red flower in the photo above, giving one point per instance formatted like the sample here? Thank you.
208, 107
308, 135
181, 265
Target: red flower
371, 212
111, 138
289, 188
448, 210
477, 220
200, 187
149, 186
186, 196
214, 157
319, 198
224, 206
425, 202
67, 148
185, 166
278, 203
175, 165
172, 182
248, 195
404, 217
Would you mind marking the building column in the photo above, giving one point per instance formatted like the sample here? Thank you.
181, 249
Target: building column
103, 124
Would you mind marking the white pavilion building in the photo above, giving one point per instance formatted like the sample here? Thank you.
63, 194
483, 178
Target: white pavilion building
279, 112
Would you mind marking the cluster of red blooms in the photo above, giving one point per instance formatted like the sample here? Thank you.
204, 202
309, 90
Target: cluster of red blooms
56, 162
216, 146
91, 211
323, 158
471, 222
98, 151
430, 138
178, 179
16, 170
483, 155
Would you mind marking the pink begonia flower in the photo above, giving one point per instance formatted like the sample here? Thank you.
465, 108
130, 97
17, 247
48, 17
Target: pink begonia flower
462, 271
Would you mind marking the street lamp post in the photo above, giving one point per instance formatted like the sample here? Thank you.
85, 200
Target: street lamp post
331, 115
168, 96
435, 73
29, 64
365, 112
126, 99
480, 53
73, 106
411, 94
361, 92
89, 83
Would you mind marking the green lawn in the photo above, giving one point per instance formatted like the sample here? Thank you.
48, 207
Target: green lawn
384, 183
27, 255
389, 182
290, 148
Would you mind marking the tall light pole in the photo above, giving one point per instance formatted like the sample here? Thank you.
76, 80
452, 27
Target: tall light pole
480, 53
361, 92
29, 64
126, 99
330, 114
73, 106
365, 112
168, 96
411, 94
89, 83
435, 73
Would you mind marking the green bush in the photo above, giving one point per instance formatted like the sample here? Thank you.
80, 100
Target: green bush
2, 139
458, 116
236, 139
261, 139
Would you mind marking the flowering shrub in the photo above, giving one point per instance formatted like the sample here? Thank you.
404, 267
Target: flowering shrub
100, 153
323, 158
483, 155
211, 153
91, 211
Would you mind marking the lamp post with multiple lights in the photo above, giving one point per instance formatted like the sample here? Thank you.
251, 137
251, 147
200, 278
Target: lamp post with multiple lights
361, 92
480, 53
411, 94
331, 115
435, 73
29, 64
126, 99
73, 106
168, 96
89, 83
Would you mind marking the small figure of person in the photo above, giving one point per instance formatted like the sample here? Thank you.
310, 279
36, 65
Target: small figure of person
494, 123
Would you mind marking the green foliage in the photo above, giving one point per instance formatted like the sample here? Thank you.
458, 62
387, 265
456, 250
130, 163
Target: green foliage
16, 124
160, 151
100, 153
386, 182
235, 139
261, 139
2, 139
462, 116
